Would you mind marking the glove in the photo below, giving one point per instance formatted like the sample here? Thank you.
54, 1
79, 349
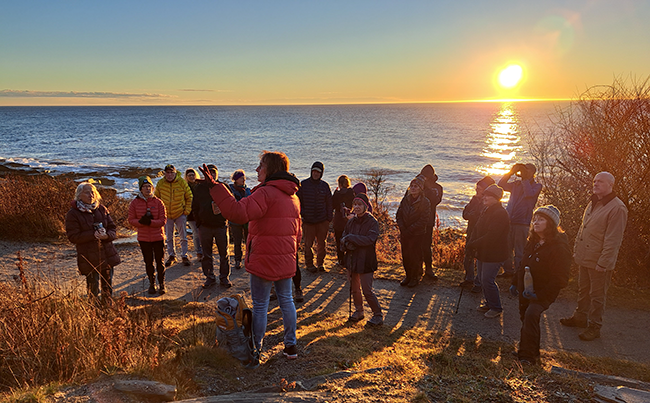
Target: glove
209, 180
145, 220
513, 290
529, 295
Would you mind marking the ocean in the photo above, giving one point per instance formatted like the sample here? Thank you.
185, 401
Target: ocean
463, 141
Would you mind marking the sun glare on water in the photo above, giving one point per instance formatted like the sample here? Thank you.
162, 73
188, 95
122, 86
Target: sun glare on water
511, 76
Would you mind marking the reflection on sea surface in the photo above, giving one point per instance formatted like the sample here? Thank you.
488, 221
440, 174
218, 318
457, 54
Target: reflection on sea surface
502, 142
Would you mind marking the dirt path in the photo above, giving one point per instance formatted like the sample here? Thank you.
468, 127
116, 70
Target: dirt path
433, 306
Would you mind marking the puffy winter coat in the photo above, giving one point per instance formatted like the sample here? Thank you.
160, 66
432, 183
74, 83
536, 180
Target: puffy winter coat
490, 236
273, 214
413, 216
176, 196
202, 205
138, 208
91, 252
550, 266
358, 240
315, 201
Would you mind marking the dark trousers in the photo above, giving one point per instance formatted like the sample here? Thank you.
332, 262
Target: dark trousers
103, 275
316, 232
530, 314
426, 248
412, 256
220, 237
151, 251
339, 253
297, 277
239, 234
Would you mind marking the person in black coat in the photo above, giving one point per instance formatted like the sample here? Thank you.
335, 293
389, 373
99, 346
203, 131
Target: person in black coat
548, 255
490, 241
471, 213
413, 216
342, 203
360, 259
433, 192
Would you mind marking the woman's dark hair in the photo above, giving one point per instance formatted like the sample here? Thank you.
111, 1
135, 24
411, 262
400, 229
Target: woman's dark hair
275, 161
550, 232
344, 182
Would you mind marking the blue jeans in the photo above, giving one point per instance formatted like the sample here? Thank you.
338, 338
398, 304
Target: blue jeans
516, 242
180, 224
488, 273
260, 292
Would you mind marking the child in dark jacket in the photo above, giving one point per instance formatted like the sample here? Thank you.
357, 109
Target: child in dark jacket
413, 216
360, 259
548, 256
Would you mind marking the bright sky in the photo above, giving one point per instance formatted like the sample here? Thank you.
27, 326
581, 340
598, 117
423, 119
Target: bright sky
313, 52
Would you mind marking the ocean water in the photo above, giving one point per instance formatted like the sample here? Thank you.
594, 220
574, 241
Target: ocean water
463, 142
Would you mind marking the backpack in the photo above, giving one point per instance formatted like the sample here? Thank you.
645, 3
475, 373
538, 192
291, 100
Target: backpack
235, 329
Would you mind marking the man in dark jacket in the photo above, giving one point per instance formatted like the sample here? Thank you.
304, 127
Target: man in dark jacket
212, 226
316, 212
413, 216
433, 192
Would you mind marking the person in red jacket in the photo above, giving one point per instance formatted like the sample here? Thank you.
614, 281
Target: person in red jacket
273, 214
147, 214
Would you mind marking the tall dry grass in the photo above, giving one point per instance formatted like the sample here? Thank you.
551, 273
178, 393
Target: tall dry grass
34, 207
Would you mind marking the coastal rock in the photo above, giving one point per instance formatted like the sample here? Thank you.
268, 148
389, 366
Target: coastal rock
147, 389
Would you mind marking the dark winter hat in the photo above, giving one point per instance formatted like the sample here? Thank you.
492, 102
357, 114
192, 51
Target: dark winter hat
170, 167
359, 188
364, 198
487, 181
551, 212
238, 174
317, 166
429, 173
142, 180
214, 170
494, 191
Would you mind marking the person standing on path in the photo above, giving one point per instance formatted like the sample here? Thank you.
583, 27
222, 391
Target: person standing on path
239, 232
147, 214
190, 177
413, 216
213, 229
471, 213
490, 241
316, 211
548, 257
523, 197
273, 214
595, 252
88, 225
342, 203
177, 198
433, 192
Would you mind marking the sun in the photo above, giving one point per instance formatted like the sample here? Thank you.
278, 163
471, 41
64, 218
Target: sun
510, 76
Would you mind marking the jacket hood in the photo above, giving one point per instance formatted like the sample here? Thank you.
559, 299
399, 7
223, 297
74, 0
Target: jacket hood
285, 181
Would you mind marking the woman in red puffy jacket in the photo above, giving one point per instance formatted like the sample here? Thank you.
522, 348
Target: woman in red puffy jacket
147, 214
273, 214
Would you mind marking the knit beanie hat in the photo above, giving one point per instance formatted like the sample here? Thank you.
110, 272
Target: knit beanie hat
495, 191
360, 188
142, 180
486, 181
551, 212
317, 166
418, 181
364, 198
238, 174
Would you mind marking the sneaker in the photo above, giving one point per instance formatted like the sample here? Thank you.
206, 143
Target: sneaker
225, 283
312, 269
375, 321
291, 352
162, 289
482, 308
170, 261
209, 283
321, 268
186, 261
573, 322
152, 288
356, 317
590, 334
476, 289
491, 314
466, 284
299, 297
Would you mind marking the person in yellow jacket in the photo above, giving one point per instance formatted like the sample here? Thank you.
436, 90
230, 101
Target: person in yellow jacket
176, 195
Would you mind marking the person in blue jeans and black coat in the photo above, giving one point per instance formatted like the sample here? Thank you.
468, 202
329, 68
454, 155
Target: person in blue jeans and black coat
548, 255
490, 241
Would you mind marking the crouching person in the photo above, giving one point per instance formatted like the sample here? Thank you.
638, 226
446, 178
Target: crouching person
547, 257
360, 259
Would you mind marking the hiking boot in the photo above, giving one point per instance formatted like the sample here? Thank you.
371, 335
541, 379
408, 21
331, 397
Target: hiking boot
483, 308
430, 274
574, 322
291, 352
356, 317
590, 334
209, 283
161, 289
321, 268
413, 283
225, 283
491, 314
466, 284
299, 297
186, 261
152, 288
237, 264
171, 261
476, 289
312, 269
375, 321
404, 282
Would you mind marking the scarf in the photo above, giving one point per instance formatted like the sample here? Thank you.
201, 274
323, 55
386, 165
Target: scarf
87, 208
